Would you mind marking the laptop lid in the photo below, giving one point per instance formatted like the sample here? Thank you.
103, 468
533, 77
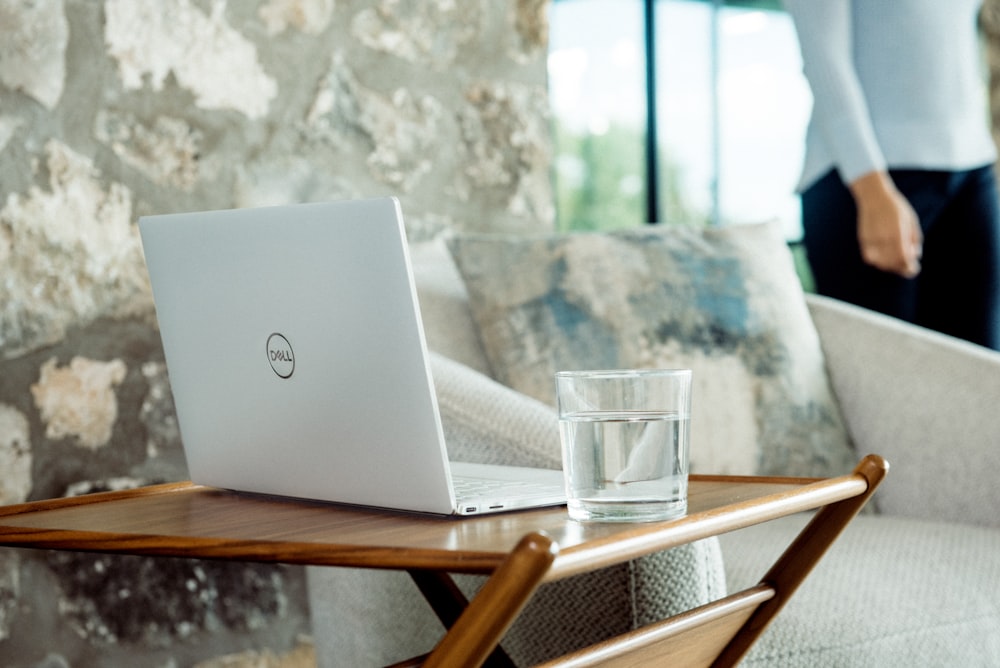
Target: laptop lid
296, 354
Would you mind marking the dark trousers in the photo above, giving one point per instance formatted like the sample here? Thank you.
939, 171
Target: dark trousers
958, 289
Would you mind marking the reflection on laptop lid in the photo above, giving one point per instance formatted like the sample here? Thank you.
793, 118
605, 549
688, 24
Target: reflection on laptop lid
297, 358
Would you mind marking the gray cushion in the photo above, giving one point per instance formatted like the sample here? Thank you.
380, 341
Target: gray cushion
367, 618
444, 305
489, 423
373, 618
571, 614
890, 592
485, 421
724, 302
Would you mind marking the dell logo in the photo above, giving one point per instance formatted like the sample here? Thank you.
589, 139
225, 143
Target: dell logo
280, 355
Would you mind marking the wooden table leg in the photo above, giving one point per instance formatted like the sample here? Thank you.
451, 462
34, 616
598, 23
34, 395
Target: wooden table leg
478, 629
798, 560
449, 603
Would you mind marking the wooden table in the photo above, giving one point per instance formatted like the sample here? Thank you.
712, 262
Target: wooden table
519, 551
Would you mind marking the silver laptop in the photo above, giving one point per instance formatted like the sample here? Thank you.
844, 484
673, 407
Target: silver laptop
298, 363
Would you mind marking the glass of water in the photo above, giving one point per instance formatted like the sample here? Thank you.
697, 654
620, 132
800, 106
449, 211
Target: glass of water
625, 440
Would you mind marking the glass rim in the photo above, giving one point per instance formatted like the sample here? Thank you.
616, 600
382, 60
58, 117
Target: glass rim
621, 373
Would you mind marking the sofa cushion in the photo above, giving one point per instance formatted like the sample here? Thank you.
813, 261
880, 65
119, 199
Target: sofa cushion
487, 422
444, 305
364, 617
571, 614
890, 592
724, 302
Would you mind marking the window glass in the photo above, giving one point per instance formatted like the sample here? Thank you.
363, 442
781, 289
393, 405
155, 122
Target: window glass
597, 91
686, 110
764, 103
732, 106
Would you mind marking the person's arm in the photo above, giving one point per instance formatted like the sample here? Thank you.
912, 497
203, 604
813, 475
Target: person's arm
888, 230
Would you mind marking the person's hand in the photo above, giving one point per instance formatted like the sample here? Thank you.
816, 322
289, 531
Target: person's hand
888, 229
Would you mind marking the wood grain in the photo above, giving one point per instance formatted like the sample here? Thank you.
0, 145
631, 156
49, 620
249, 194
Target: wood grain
187, 520
520, 550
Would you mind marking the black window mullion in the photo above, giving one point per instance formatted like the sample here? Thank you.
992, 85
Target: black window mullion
652, 152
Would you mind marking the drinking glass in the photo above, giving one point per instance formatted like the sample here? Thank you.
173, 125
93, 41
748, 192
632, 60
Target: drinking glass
625, 436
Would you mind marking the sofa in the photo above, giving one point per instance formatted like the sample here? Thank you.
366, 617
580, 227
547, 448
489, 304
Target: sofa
913, 581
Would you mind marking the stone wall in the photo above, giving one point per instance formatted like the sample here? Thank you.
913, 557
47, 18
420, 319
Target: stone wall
116, 108
989, 20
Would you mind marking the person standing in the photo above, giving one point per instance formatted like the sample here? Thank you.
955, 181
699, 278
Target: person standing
899, 199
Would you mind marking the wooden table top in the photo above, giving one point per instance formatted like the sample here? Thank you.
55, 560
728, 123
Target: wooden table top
182, 519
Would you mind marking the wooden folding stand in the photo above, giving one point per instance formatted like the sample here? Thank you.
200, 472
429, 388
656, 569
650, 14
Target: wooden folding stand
519, 551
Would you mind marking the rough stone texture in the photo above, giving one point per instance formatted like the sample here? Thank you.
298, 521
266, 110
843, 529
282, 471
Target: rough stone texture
309, 16
152, 39
532, 25
504, 131
422, 32
112, 109
15, 455
72, 248
33, 38
989, 20
10, 591
166, 153
401, 129
111, 599
79, 400
8, 124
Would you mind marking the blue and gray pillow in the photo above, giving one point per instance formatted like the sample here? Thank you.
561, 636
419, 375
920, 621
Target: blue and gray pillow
725, 302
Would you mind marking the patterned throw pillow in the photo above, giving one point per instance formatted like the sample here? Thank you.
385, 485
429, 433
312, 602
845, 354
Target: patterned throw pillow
724, 302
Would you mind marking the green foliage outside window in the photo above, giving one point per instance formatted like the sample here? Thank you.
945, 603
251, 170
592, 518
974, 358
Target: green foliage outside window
600, 184
599, 179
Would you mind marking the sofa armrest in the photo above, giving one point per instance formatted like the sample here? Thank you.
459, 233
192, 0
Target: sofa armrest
926, 402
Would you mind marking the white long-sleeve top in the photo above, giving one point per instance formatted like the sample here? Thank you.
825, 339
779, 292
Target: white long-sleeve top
895, 83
